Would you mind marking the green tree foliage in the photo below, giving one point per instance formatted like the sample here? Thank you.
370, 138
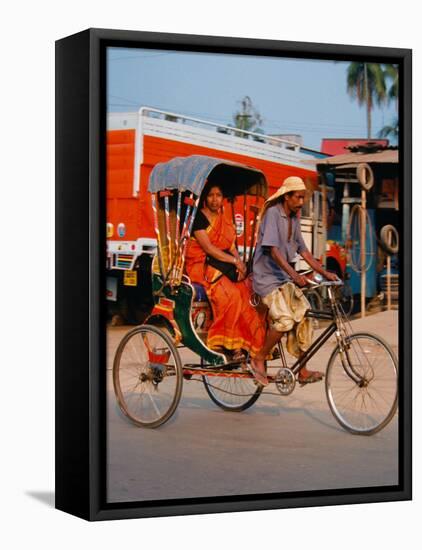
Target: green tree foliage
247, 117
391, 73
391, 131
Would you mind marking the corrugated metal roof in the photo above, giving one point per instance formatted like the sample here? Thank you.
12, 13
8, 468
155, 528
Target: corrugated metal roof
389, 156
339, 146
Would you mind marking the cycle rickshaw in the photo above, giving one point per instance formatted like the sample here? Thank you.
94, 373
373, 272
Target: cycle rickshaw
361, 379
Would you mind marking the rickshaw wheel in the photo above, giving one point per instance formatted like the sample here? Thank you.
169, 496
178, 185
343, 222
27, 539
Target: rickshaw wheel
147, 376
231, 393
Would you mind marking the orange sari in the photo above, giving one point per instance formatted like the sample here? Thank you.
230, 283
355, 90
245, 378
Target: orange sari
236, 324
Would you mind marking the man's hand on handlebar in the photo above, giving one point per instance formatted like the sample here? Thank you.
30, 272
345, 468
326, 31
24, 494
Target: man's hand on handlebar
330, 276
307, 278
300, 280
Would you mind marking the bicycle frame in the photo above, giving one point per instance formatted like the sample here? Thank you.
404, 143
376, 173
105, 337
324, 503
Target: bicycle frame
315, 346
334, 328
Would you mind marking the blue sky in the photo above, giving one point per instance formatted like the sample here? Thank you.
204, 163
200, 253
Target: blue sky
293, 96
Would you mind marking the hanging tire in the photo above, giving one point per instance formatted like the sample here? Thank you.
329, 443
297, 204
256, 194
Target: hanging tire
365, 176
389, 239
147, 376
361, 384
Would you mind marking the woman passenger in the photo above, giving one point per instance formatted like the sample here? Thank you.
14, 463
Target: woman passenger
236, 325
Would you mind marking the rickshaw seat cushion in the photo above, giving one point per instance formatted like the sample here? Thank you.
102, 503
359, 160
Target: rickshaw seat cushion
200, 294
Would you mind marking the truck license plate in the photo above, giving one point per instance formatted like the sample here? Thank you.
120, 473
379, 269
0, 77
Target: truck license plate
130, 278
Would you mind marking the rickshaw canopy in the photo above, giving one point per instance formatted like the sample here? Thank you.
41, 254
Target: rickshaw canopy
192, 173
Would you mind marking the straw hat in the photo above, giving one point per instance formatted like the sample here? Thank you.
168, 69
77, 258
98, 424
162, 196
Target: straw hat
292, 183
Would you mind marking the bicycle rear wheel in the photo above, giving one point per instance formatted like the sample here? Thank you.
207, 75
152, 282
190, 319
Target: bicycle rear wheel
232, 393
362, 384
147, 376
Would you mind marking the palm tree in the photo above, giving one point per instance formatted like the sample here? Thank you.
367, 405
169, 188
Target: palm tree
391, 73
366, 82
390, 130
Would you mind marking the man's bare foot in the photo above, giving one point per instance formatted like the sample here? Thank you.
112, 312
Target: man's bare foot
258, 370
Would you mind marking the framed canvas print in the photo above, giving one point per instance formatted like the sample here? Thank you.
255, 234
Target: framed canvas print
233, 274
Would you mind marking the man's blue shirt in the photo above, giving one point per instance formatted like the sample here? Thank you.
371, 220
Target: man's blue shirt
274, 231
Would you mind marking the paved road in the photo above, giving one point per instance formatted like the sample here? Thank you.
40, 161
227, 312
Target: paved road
280, 444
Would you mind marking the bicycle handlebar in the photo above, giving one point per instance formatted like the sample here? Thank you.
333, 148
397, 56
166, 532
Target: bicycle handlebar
323, 282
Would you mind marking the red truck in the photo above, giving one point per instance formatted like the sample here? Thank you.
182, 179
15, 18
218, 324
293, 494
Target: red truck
136, 142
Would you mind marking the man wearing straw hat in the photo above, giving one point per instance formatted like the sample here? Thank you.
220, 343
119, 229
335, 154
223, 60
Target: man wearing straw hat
277, 282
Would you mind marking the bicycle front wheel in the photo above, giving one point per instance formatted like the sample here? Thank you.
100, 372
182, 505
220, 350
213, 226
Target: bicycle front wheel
361, 384
147, 376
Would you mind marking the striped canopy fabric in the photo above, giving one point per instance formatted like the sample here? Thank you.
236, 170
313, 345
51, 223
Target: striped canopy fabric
191, 174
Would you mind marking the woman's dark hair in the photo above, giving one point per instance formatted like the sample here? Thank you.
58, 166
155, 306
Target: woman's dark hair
207, 188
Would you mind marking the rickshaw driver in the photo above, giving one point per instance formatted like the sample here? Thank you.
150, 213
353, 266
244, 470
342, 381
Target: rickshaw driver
276, 281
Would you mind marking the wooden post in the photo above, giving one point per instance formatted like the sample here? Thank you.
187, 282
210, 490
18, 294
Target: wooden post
388, 282
315, 216
363, 255
324, 222
390, 239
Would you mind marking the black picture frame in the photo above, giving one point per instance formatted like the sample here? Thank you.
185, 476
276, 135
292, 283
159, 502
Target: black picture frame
80, 284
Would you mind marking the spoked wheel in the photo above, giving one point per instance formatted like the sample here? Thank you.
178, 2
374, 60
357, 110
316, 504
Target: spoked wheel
362, 383
232, 393
147, 376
